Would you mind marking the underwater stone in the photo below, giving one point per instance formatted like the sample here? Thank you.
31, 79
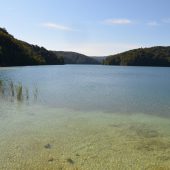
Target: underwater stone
69, 160
51, 160
47, 146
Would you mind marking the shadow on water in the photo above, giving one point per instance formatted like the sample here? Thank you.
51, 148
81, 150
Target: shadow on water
17, 92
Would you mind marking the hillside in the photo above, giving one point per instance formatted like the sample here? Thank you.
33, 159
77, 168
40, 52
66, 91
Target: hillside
154, 56
14, 52
76, 58
99, 59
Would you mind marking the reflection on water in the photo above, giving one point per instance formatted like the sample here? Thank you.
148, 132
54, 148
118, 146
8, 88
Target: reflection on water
17, 92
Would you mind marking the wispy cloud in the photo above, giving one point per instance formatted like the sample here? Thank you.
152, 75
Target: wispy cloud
56, 26
118, 21
153, 23
160, 22
166, 21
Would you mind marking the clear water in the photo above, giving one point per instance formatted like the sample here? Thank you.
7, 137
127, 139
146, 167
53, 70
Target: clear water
84, 117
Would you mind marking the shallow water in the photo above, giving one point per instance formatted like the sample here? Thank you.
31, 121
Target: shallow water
84, 117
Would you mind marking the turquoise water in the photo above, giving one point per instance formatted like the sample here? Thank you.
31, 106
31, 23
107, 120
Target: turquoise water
84, 117
97, 88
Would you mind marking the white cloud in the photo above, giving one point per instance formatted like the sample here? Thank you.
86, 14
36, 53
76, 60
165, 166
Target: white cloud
118, 21
153, 23
57, 26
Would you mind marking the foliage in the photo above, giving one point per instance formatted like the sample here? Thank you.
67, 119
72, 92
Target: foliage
76, 58
14, 52
155, 56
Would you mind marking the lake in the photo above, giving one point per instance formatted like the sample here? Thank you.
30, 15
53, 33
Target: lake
84, 117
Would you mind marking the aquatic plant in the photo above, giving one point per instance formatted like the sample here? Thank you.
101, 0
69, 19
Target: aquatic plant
35, 93
12, 89
19, 90
27, 93
0, 85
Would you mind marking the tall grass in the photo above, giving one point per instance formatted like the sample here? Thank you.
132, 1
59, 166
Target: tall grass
12, 89
27, 94
0, 85
1, 88
17, 92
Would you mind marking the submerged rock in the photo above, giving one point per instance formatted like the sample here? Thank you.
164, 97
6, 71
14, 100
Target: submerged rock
69, 160
51, 160
47, 146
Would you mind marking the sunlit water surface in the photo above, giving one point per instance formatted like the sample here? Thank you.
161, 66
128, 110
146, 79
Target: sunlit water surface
84, 117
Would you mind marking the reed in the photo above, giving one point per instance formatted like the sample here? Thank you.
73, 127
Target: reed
35, 93
27, 94
12, 89
1, 88
0, 84
19, 91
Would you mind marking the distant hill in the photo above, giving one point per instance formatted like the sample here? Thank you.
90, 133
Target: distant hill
14, 52
99, 59
76, 58
154, 56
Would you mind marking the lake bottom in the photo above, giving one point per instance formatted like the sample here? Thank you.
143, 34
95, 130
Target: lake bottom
38, 137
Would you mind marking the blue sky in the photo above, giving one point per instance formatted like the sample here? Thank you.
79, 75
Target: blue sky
92, 27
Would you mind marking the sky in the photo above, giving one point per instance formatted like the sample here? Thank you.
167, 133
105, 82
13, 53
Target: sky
91, 27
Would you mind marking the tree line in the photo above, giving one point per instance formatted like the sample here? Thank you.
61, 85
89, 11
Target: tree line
154, 56
14, 52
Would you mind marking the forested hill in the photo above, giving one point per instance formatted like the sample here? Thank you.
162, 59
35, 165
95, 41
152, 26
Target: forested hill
154, 56
14, 52
76, 58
